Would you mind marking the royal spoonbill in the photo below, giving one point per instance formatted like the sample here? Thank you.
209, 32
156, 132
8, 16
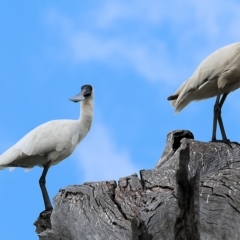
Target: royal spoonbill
51, 142
217, 75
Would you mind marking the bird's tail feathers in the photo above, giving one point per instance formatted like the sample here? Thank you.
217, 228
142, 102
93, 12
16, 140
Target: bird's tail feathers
184, 101
9, 156
172, 97
175, 97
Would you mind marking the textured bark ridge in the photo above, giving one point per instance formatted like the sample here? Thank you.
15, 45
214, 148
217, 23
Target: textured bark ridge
192, 193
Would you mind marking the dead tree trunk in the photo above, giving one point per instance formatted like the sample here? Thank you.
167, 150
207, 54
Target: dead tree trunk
192, 193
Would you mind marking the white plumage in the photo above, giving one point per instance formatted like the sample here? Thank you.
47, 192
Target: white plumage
217, 75
51, 142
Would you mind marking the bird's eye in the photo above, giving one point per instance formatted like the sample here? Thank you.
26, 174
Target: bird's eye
87, 94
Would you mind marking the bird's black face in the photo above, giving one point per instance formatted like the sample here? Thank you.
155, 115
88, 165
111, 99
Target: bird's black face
87, 90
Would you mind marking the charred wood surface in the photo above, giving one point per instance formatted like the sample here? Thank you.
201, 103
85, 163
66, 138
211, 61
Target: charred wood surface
192, 193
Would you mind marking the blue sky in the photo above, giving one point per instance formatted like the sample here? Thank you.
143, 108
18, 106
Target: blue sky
135, 54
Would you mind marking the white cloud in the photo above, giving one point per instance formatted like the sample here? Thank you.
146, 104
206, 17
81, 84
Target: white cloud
216, 18
143, 58
148, 37
100, 159
111, 13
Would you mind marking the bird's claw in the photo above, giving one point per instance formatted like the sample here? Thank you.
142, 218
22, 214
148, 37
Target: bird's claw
228, 142
237, 143
45, 212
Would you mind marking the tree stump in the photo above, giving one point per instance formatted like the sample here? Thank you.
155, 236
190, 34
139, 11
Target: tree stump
192, 193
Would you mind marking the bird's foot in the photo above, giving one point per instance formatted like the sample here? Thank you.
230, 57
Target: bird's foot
44, 221
227, 141
237, 143
46, 212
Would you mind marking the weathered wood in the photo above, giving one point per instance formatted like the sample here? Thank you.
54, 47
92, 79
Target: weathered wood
192, 193
187, 223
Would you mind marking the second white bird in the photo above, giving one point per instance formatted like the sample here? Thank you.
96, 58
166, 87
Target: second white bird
217, 75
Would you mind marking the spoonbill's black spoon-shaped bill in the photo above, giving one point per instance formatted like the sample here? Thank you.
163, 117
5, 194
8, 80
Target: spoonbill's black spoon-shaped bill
51, 142
217, 75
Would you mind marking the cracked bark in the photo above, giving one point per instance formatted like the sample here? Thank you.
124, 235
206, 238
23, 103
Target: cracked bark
192, 193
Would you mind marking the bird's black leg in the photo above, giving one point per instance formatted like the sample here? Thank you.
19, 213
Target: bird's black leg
220, 122
215, 117
218, 118
42, 182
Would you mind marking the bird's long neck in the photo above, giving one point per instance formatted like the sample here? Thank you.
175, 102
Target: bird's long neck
86, 115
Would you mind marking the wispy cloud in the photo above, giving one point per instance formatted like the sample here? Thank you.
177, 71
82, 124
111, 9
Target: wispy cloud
100, 158
143, 58
133, 34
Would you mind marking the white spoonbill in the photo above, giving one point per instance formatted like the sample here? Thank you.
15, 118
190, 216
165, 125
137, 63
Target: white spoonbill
217, 75
51, 142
